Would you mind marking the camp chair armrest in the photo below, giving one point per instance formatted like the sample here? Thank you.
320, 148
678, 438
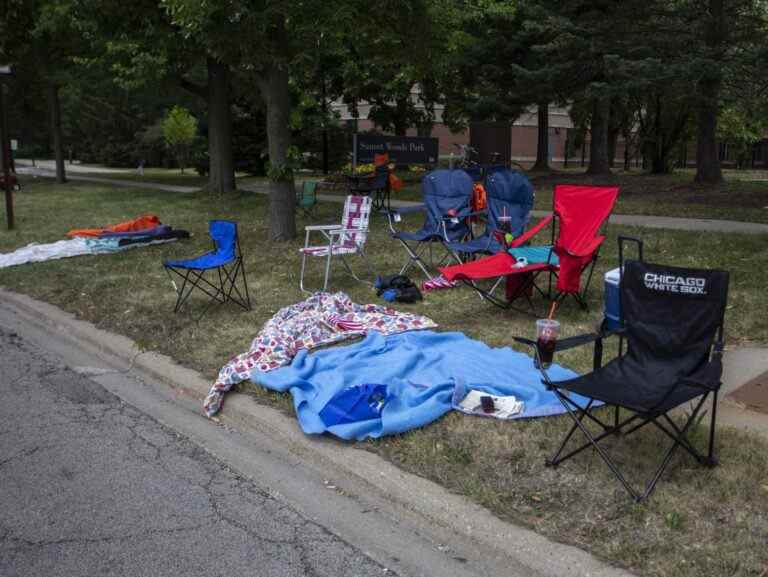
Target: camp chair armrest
464, 214
337, 231
409, 209
530, 233
577, 341
707, 377
401, 211
322, 227
565, 344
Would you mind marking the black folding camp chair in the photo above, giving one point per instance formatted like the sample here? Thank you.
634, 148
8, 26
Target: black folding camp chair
224, 263
672, 320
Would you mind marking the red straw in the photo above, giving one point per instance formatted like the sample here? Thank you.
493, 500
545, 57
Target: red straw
552, 310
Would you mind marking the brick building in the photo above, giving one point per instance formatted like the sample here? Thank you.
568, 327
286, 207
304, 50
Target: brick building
524, 133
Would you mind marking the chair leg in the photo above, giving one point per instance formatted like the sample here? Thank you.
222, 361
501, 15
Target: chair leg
711, 460
245, 282
301, 273
351, 271
679, 439
231, 284
554, 461
668, 457
608, 461
414, 258
327, 269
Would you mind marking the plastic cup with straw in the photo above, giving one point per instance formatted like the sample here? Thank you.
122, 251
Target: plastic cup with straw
547, 331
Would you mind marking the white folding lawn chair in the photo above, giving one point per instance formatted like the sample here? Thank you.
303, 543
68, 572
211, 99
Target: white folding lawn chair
347, 238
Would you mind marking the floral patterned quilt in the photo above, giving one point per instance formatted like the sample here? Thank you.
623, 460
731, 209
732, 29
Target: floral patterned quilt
322, 319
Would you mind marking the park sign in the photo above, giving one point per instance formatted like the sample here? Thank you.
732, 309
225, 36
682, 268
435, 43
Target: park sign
401, 149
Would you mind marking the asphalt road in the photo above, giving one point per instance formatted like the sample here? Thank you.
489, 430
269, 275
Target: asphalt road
90, 485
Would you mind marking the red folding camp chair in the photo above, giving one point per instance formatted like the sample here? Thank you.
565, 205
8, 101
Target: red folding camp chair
580, 214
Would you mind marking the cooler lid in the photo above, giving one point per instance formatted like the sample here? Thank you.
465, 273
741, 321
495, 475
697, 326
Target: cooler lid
613, 276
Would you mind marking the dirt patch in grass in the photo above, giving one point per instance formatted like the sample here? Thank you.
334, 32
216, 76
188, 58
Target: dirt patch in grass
700, 522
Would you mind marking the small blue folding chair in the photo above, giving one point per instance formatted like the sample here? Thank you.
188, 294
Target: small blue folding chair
509, 197
225, 263
447, 197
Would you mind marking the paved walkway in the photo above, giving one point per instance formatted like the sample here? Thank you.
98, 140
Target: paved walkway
667, 222
673, 223
74, 176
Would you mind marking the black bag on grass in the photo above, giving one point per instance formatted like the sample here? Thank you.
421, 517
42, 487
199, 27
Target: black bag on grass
397, 287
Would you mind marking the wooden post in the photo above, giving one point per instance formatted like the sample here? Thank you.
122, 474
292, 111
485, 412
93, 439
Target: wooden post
6, 151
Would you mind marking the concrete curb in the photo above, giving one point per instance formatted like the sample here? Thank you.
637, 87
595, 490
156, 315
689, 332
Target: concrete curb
409, 493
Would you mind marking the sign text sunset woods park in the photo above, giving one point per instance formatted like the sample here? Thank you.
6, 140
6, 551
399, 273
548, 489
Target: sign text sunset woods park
401, 149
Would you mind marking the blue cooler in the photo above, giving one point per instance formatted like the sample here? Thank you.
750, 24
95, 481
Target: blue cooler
612, 305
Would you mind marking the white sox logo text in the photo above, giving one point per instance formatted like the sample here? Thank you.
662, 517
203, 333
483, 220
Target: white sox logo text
675, 284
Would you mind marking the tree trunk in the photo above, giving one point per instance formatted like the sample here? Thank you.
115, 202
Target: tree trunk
282, 196
598, 145
542, 146
221, 177
54, 112
424, 129
707, 153
613, 138
400, 119
659, 161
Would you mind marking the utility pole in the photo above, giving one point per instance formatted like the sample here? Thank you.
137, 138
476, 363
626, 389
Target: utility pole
6, 149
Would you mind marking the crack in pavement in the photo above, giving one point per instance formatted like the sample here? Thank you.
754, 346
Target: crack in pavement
57, 407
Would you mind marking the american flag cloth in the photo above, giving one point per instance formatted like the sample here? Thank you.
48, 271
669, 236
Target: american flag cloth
322, 319
437, 283
339, 322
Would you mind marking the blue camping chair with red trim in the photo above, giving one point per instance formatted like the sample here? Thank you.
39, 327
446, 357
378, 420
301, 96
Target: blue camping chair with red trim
214, 273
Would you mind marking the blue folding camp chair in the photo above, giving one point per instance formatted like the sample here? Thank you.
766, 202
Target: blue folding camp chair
509, 198
225, 263
447, 197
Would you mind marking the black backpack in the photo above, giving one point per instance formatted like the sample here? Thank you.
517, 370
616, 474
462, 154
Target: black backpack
397, 287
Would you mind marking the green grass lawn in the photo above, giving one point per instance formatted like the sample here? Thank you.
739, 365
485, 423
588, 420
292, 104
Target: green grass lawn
698, 523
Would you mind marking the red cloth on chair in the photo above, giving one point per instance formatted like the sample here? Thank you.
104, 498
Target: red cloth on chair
581, 211
499, 264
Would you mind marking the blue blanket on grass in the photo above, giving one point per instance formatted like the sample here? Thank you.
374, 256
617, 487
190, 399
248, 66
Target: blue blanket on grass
421, 370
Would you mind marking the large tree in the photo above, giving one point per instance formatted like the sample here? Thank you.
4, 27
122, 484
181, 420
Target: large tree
35, 40
266, 39
731, 37
141, 49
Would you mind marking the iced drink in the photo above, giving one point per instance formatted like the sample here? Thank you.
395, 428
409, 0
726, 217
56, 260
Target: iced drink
547, 332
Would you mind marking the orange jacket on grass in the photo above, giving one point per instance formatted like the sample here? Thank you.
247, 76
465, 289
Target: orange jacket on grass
144, 222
